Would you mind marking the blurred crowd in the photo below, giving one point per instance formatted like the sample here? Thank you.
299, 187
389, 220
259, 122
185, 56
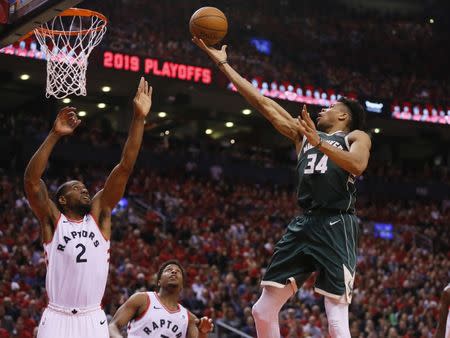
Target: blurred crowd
21, 132
350, 51
224, 233
222, 230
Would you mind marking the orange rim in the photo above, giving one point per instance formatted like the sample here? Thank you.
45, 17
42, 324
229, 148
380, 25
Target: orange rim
76, 12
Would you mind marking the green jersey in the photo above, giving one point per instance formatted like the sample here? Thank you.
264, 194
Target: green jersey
322, 185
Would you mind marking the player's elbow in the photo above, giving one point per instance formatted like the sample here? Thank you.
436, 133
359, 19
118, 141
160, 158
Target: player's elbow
27, 177
30, 183
114, 331
359, 168
126, 167
357, 172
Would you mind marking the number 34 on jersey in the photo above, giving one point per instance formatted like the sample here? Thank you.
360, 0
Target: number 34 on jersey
316, 164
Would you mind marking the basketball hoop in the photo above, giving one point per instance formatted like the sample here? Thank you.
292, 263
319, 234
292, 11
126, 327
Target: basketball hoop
68, 40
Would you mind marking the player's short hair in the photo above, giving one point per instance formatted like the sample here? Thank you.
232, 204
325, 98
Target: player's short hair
61, 191
167, 263
357, 112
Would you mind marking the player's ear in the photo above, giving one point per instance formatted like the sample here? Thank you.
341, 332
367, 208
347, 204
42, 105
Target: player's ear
62, 200
343, 115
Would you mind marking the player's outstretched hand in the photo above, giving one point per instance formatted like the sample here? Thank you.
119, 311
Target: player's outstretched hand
218, 56
307, 127
142, 101
205, 324
66, 121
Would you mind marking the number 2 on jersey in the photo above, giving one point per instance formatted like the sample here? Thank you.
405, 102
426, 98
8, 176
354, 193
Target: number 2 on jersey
312, 167
80, 258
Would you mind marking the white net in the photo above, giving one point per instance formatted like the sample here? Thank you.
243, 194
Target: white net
68, 40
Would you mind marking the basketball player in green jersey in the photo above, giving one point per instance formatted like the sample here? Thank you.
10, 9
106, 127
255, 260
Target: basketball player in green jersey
325, 237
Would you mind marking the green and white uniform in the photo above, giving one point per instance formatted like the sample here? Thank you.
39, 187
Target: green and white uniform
325, 237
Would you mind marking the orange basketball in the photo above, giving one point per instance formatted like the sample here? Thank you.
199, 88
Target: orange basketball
209, 24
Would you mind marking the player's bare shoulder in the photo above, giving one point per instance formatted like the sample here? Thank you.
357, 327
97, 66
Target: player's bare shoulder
140, 299
360, 137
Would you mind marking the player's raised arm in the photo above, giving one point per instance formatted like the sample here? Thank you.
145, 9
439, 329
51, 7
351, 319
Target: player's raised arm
353, 161
277, 115
35, 189
199, 328
107, 198
132, 308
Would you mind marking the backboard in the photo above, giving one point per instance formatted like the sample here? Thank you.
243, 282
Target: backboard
20, 17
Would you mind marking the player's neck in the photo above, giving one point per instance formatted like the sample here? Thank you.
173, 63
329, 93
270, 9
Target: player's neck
335, 129
169, 299
73, 215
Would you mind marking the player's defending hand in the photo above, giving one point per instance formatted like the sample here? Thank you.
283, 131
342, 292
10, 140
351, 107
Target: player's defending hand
218, 56
205, 325
307, 127
142, 101
66, 121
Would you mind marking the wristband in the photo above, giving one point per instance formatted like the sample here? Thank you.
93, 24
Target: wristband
220, 63
319, 144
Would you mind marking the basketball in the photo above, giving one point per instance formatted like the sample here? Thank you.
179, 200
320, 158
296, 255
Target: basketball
209, 24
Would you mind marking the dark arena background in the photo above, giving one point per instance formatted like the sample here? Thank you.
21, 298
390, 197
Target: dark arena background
215, 185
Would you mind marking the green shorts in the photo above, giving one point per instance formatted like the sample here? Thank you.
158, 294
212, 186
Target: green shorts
326, 243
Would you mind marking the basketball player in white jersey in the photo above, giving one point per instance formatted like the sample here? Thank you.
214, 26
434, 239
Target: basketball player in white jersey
443, 329
76, 230
158, 314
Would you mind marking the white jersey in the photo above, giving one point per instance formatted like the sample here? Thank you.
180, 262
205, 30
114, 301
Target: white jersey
77, 263
158, 321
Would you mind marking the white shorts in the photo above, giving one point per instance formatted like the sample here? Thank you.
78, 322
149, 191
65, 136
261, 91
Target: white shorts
58, 324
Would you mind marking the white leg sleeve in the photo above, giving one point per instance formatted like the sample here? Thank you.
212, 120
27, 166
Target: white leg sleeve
337, 315
266, 309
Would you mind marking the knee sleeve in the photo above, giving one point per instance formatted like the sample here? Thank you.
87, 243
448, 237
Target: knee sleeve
337, 316
266, 309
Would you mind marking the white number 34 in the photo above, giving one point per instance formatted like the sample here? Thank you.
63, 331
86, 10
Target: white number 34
321, 165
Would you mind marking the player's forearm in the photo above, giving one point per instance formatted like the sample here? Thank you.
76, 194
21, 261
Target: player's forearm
350, 162
38, 162
114, 331
133, 143
276, 115
246, 89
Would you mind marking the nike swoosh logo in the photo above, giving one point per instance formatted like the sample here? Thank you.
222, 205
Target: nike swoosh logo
157, 308
333, 223
102, 322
